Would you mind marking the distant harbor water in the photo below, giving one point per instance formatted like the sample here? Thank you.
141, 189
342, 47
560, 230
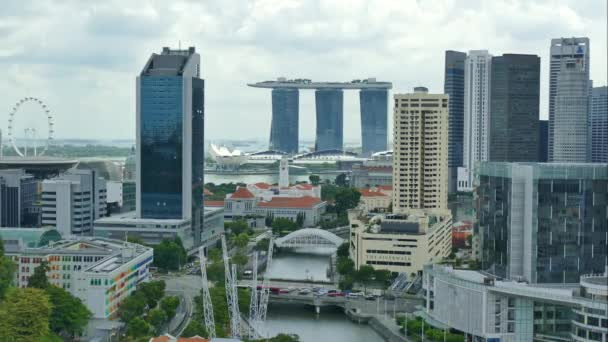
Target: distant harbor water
266, 178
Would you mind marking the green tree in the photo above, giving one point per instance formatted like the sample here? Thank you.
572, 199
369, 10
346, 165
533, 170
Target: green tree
280, 224
341, 180
69, 314
241, 240
343, 250
169, 254
364, 274
133, 306
314, 179
152, 291
328, 192
194, 328
382, 276
237, 227
239, 259
157, 317
262, 245
39, 279
169, 305
300, 220
137, 328
7, 271
346, 198
346, 283
214, 255
345, 266
215, 271
24, 315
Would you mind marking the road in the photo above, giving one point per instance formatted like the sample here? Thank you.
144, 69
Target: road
187, 286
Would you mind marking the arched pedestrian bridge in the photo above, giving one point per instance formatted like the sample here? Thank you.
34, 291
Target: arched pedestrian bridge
309, 237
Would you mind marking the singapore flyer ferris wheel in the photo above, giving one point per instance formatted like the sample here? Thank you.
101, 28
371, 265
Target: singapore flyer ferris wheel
30, 133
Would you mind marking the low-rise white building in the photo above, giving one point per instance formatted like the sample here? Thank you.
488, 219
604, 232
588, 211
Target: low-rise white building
101, 272
400, 243
376, 199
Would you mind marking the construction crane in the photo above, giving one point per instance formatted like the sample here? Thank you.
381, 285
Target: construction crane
207, 306
265, 293
254, 304
231, 293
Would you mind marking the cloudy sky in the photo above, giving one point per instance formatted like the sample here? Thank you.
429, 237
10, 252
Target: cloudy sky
82, 57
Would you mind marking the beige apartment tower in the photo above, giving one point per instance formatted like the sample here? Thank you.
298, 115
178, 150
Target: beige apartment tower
420, 152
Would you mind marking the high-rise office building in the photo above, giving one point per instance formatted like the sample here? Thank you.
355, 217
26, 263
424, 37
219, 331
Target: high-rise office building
18, 199
477, 70
72, 201
543, 222
170, 128
285, 120
571, 113
330, 117
598, 125
543, 141
374, 120
420, 151
576, 49
453, 85
514, 104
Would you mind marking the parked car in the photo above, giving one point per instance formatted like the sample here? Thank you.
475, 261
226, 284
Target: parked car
370, 297
355, 295
304, 292
283, 291
336, 294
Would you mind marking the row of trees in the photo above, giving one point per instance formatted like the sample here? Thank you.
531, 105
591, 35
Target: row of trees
365, 275
146, 311
40, 312
413, 328
169, 254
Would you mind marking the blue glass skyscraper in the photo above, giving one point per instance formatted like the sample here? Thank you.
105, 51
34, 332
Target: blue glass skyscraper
453, 85
170, 129
285, 119
330, 116
374, 121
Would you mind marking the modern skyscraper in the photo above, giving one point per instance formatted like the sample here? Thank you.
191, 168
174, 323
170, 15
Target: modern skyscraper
170, 128
514, 104
374, 120
285, 120
420, 151
543, 141
453, 85
18, 199
598, 124
476, 114
330, 117
543, 222
563, 48
571, 113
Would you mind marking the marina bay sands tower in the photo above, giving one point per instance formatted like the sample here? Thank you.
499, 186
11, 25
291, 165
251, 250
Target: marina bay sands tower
329, 105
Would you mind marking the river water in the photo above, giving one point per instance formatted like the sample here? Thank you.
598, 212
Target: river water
331, 324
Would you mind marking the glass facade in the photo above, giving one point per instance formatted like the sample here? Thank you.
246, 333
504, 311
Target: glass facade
374, 120
599, 125
330, 115
285, 120
514, 107
453, 85
567, 233
161, 146
198, 156
543, 141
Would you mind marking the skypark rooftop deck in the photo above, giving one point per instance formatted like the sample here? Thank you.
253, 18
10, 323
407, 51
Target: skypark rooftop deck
281, 82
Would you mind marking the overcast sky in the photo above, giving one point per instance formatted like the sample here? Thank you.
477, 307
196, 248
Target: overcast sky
82, 57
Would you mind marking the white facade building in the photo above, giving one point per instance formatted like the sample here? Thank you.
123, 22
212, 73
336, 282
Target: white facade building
101, 272
476, 115
72, 201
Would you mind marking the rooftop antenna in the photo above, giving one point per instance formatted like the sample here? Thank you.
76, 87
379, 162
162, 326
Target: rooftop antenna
179, 45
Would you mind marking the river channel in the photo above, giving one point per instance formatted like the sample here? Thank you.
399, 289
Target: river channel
331, 324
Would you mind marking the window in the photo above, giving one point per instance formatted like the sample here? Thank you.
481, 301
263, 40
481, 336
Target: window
594, 321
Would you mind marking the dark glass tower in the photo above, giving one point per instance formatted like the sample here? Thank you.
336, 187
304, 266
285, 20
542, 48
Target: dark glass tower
514, 109
330, 116
170, 128
453, 85
285, 116
543, 141
374, 120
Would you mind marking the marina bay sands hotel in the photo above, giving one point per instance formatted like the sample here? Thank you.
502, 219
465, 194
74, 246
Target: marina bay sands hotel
329, 100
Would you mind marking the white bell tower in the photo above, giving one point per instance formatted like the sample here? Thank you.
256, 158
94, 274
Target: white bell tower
284, 173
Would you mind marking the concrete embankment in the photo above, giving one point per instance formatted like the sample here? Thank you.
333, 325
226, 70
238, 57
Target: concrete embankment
386, 328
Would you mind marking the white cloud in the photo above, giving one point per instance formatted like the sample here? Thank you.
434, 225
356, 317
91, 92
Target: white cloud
82, 57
